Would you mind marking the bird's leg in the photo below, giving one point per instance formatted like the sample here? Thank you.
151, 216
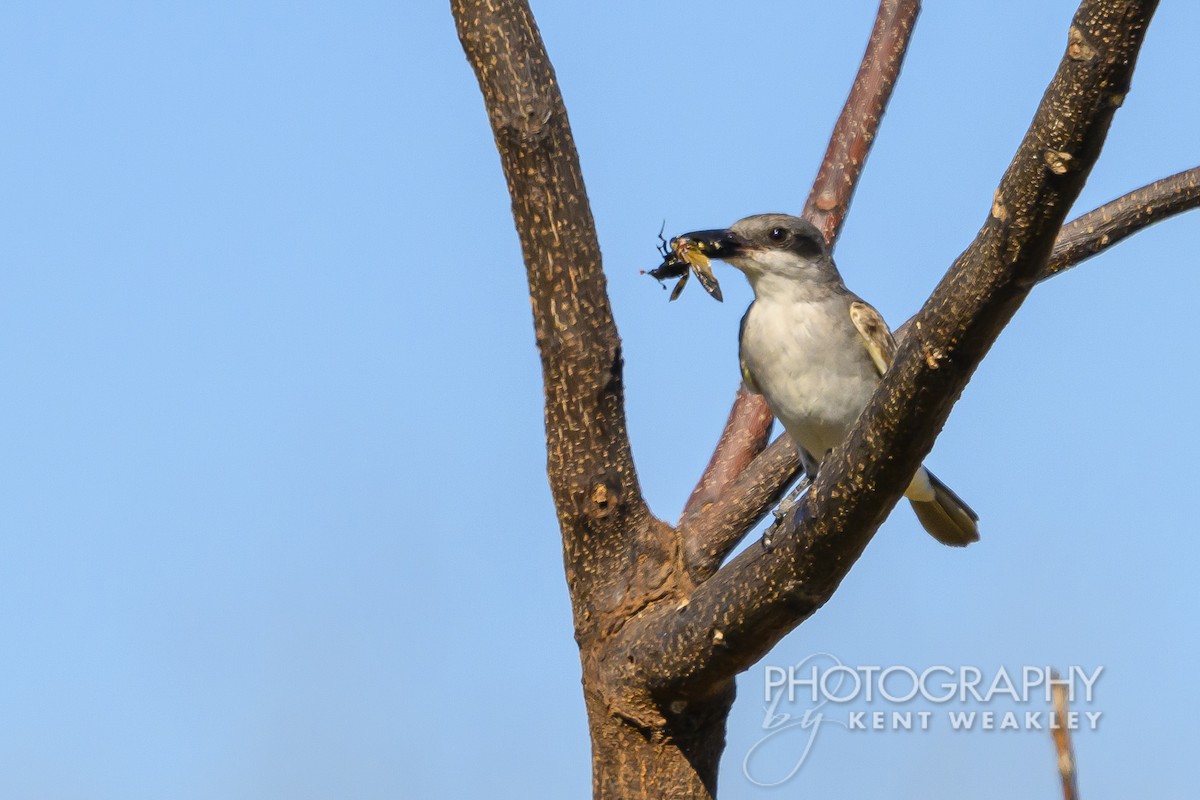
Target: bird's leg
788, 503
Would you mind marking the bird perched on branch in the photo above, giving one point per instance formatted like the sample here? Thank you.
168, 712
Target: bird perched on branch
815, 351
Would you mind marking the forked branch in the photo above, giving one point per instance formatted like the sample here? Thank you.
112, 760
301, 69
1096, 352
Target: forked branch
712, 535
595, 488
732, 619
1103, 227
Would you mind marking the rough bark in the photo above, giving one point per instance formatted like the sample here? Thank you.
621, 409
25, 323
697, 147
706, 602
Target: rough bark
661, 630
710, 536
745, 435
713, 532
618, 557
732, 619
589, 462
1114, 221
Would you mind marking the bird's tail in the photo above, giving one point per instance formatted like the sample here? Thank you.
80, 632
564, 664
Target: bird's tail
942, 513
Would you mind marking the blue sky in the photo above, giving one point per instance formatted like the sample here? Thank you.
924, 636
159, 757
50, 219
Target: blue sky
274, 519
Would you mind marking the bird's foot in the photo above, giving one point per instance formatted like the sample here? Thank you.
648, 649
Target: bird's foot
794, 496
786, 506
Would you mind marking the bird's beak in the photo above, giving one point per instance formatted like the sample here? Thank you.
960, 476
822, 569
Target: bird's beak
722, 244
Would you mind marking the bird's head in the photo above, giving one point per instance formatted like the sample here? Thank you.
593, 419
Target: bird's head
770, 249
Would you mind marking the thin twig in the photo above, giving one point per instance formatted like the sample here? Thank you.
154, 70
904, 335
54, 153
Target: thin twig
1062, 741
1100, 229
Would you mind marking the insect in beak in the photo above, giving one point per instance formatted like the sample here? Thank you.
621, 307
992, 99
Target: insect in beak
681, 257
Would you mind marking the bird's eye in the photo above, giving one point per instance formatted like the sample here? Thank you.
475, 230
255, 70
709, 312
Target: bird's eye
778, 234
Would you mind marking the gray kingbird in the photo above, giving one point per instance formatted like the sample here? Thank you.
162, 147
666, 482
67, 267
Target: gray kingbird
815, 351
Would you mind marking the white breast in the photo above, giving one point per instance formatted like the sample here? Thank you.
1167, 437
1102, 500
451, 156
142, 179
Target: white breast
811, 365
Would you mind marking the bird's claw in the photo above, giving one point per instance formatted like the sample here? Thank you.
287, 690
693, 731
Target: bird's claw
781, 512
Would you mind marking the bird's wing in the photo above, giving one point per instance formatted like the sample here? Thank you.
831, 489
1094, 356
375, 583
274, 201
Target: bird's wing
747, 378
875, 333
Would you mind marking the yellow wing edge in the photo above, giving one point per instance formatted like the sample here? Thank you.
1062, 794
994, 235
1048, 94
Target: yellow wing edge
747, 378
876, 334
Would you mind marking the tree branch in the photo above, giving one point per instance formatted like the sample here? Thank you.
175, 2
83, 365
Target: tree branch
710, 536
854, 133
731, 620
746, 434
596, 492
1103, 227
1099, 229
749, 424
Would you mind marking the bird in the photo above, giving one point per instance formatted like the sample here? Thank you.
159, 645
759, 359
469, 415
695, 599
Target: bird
816, 351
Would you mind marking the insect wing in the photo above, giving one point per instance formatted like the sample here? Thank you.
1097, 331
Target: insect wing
709, 281
702, 266
678, 290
